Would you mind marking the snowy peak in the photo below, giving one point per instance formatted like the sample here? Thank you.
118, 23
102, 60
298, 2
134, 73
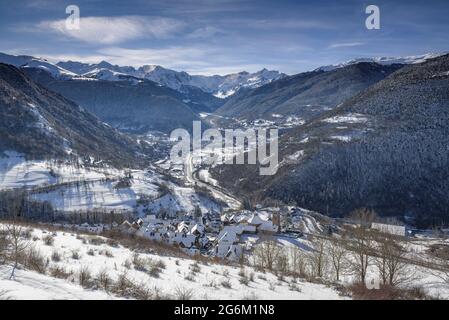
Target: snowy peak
384, 61
234, 82
219, 86
108, 75
40, 63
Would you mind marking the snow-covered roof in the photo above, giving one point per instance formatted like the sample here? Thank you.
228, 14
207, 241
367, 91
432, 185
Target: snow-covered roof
256, 219
197, 228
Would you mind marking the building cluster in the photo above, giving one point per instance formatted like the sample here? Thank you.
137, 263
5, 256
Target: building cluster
223, 236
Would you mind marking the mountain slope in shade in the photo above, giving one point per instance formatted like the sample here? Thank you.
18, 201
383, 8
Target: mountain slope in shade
41, 124
386, 149
135, 107
306, 94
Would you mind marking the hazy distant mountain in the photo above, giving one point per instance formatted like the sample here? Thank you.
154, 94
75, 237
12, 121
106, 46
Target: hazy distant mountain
42, 124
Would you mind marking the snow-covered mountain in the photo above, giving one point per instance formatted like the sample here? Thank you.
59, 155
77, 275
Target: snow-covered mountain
384, 61
41, 124
32, 62
220, 86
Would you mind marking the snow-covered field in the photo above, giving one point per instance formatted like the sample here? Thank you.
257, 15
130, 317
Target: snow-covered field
201, 281
71, 187
17, 172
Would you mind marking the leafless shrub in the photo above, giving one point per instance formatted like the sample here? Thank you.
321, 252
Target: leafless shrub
91, 252
127, 264
28, 233
55, 256
85, 277
293, 287
250, 296
161, 264
35, 261
190, 277
96, 241
195, 267
103, 280
154, 271
76, 255
140, 264
244, 281
123, 285
108, 253
140, 292
182, 293
211, 284
49, 240
112, 243
385, 292
81, 238
226, 283
59, 272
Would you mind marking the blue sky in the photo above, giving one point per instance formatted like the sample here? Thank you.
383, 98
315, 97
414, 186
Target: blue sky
223, 36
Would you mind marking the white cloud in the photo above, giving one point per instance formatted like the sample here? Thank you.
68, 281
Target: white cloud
171, 57
113, 30
346, 45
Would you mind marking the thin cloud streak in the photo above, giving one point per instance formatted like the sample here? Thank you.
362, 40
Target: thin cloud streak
346, 45
113, 30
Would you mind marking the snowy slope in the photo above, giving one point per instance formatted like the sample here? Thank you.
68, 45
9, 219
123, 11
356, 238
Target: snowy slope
30, 285
16, 172
384, 60
40, 63
220, 86
74, 187
205, 283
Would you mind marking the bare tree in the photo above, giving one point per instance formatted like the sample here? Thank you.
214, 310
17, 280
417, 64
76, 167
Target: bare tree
298, 261
338, 254
18, 244
361, 247
266, 254
318, 258
363, 216
391, 263
3, 245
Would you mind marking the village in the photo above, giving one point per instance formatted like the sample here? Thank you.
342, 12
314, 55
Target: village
230, 235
